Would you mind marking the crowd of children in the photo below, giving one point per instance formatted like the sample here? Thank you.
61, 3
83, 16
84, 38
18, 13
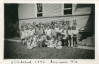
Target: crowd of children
55, 34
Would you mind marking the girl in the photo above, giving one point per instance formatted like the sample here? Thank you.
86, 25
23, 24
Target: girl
25, 34
53, 32
30, 44
52, 43
58, 44
22, 33
48, 33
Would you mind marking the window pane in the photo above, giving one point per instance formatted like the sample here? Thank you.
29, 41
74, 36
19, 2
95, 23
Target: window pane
67, 5
39, 7
39, 15
68, 11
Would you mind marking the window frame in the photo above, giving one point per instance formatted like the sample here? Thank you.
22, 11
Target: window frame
62, 12
37, 10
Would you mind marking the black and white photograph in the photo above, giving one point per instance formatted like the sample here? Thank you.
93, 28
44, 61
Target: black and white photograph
49, 31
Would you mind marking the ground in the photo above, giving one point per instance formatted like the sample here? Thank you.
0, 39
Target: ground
14, 50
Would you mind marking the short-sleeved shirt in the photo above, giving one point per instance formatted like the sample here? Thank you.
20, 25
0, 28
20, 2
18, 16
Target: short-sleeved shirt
53, 32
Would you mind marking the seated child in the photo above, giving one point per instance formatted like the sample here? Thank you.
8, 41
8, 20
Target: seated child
51, 43
35, 40
40, 41
28, 42
31, 44
58, 44
44, 44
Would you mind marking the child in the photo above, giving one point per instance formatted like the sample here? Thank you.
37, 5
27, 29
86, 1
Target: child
51, 43
48, 33
22, 33
59, 35
56, 29
40, 41
44, 44
25, 35
58, 44
75, 33
28, 41
53, 32
30, 44
35, 40
70, 34
64, 37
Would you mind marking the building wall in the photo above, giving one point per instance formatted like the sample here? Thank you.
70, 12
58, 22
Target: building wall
28, 14
81, 20
26, 11
51, 10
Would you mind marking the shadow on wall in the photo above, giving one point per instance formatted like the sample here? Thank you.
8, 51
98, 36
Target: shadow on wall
10, 20
89, 29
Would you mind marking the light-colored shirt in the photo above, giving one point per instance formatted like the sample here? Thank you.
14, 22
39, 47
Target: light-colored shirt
65, 35
60, 31
75, 31
56, 29
48, 32
53, 32
70, 32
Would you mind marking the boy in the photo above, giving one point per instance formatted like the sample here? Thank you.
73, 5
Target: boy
40, 41
70, 34
75, 33
64, 37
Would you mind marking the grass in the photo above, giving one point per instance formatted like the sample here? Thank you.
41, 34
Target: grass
14, 50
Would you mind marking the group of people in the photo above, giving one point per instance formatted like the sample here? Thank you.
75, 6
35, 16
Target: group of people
55, 34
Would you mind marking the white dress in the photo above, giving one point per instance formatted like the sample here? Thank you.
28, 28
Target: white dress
51, 44
31, 32
25, 33
58, 46
22, 34
48, 33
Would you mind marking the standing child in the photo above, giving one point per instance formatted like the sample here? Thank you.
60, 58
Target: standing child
53, 32
22, 33
25, 34
48, 33
70, 34
75, 33
64, 37
59, 35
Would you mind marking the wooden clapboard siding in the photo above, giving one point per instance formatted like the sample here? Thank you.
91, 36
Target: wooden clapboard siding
26, 11
51, 10
85, 10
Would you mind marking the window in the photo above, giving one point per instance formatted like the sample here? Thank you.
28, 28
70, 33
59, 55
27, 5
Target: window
39, 10
67, 9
